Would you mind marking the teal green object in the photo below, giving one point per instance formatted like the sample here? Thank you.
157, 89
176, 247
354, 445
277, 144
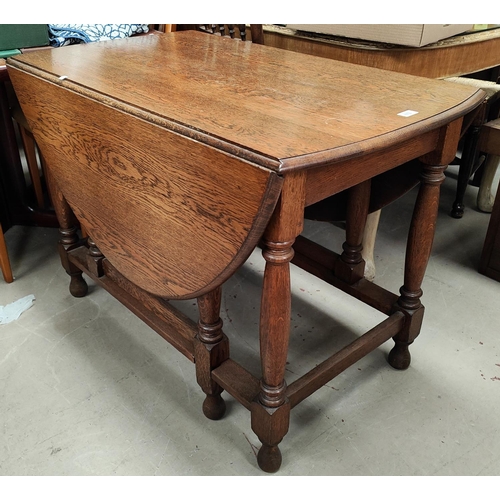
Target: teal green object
9, 53
21, 36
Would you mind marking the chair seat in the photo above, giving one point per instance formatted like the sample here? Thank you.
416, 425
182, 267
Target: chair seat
472, 160
490, 88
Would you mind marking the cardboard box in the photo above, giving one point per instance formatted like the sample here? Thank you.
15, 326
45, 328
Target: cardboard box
21, 36
413, 35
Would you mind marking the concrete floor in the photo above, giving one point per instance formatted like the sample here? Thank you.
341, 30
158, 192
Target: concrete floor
88, 389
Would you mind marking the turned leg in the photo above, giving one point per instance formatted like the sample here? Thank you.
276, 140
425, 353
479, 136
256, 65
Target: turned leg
94, 258
485, 198
270, 412
350, 267
369, 237
418, 251
465, 170
211, 349
69, 238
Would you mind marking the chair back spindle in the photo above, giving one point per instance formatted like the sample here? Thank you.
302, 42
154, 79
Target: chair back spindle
235, 31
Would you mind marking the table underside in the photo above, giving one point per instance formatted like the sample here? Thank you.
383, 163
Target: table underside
180, 331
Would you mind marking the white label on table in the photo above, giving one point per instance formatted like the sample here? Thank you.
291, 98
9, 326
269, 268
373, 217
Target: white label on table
408, 113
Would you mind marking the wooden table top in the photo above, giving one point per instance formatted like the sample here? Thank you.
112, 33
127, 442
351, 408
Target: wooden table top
280, 109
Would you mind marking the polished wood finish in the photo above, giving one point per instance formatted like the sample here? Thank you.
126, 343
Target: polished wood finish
317, 115
19, 203
147, 181
27, 204
351, 266
471, 52
458, 55
211, 350
180, 152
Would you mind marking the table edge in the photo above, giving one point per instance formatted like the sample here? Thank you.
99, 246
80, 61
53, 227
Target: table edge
219, 143
280, 165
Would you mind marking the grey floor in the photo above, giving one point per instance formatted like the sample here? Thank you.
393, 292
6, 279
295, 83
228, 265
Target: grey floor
88, 389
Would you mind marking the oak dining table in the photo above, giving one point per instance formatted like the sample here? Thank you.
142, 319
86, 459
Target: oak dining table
470, 52
179, 154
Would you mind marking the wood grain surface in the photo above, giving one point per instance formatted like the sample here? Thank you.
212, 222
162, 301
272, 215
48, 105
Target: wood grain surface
292, 109
180, 152
175, 217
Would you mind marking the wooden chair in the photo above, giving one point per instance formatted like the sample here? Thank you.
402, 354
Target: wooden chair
472, 158
4, 259
33, 157
239, 31
34, 160
162, 28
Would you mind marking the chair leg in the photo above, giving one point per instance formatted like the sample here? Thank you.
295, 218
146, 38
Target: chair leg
4, 259
369, 237
465, 171
30, 152
47, 185
485, 199
350, 267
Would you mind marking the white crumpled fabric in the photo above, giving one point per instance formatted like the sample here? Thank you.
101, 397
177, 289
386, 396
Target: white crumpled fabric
12, 311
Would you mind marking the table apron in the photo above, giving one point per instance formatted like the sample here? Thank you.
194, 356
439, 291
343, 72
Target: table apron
329, 180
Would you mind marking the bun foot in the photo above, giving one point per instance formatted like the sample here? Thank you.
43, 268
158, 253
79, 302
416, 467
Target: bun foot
399, 357
269, 458
78, 286
457, 212
214, 407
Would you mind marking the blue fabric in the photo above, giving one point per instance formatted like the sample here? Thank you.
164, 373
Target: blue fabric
68, 34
